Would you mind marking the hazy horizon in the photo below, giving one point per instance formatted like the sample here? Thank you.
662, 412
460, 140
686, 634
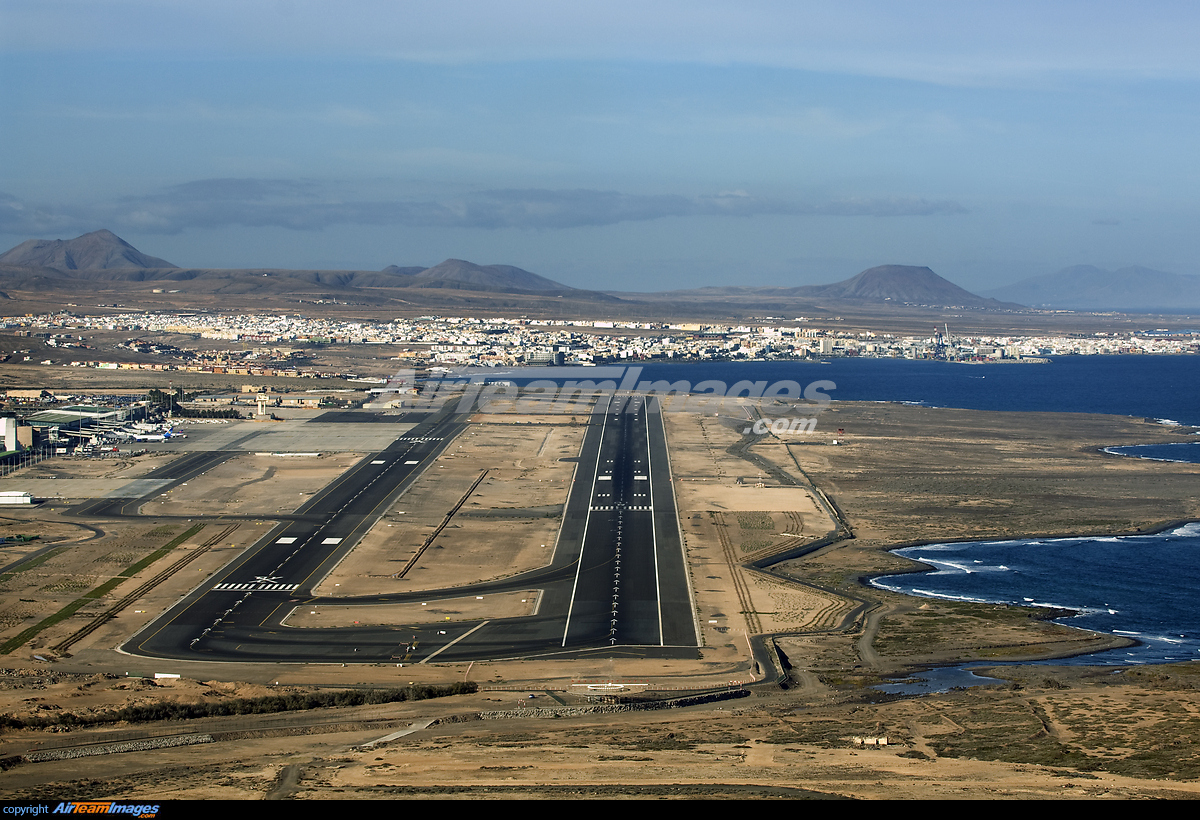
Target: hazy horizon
631, 147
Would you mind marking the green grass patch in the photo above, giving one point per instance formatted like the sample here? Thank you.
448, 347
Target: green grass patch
64, 613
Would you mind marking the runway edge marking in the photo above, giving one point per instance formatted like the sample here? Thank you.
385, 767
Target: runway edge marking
586, 522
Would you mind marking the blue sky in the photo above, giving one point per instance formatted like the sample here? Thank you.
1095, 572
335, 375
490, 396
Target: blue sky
635, 146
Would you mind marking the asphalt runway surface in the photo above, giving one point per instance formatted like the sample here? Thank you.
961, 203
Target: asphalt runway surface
616, 585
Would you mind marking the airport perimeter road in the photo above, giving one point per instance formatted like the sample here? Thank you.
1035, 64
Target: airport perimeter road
617, 583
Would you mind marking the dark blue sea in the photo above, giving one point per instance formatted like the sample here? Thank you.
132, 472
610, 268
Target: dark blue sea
1139, 586
1142, 586
1156, 387
1187, 452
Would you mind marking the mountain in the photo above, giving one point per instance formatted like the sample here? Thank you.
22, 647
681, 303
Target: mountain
102, 259
902, 284
84, 263
98, 250
884, 289
1086, 287
457, 274
104, 256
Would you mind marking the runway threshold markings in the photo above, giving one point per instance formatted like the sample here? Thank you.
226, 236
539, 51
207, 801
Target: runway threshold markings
255, 587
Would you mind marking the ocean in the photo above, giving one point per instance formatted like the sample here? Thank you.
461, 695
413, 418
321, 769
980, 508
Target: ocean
1166, 388
1187, 452
1139, 586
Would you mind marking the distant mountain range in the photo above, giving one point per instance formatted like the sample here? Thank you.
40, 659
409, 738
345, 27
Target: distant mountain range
102, 256
83, 264
1085, 287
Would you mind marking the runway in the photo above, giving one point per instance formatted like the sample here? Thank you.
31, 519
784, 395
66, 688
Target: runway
621, 573
616, 583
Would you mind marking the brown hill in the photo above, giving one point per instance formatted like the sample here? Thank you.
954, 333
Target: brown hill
885, 286
904, 284
98, 250
462, 275
87, 263
102, 256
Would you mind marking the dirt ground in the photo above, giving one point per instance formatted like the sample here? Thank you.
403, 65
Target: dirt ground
900, 474
730, 513
253, 484
1060, 733
509, 524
